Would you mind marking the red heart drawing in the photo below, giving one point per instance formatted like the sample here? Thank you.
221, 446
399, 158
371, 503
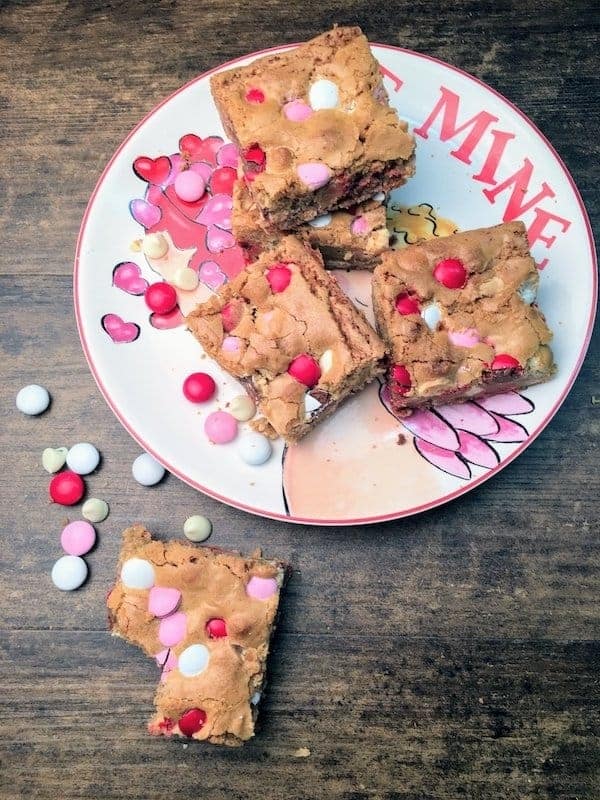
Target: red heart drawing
222, 180
119, 331
197, 149
153, 170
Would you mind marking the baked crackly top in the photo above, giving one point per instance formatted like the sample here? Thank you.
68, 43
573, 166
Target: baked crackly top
455, 308
211, 585
284, 306
323, 102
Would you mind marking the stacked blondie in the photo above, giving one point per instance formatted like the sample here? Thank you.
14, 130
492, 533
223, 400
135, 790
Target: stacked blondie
320, 147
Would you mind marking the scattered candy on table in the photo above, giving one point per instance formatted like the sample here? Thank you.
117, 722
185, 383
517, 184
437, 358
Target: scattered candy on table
78, 538
199, 387
83, 458
69, 572
95, 510
154, 245
254, 448
220, 427
197, 528
66, 488
160, 297
54, 458
146, 470
33, 400
242, 408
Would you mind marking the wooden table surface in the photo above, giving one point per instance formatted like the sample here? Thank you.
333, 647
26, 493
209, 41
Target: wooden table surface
451, 655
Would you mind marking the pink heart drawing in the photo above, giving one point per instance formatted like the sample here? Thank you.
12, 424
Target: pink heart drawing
228, 156
217, 212
145, 213
211, 275
163, 322
128, 277
119, 331
218, 240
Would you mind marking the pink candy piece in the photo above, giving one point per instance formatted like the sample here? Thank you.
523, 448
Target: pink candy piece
220, 427
261, 588
231, 344
189, 186
172, 629
163, 600
314, 174
360, 226
167, 661
78, 538
466, 338
297, 111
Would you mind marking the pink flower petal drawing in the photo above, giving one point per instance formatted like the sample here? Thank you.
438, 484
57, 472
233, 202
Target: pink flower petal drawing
147, 214
469, 417
120, 332
477, 451
509, 431
228, 156
210, 274
127, 276
429, 427
218, 240
508, 404
217, 212
446, 460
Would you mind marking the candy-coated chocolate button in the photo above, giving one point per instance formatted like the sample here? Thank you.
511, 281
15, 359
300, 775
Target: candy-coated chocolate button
504, 361
467, 338
401, 379
254, 448
172, 629
431, 315
323, 94
146, 470
83, 458
192, 721
189, 186
231, 344
154, 245
450, 273
69, 572
314, 174
160, 297
137, 573
197, 528
261, 588
199, 387
231, 313
54, 458
255, 154
256, 96
297, 111
193, 660
220, 427
95, 510
216, 628
321, 222
360, 226
405, 304
305, 369
33, 400
163, 600
78, 538
66, 488
279, 277
242, 408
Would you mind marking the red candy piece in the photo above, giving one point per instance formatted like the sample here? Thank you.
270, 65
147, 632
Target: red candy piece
255, 154
153, 170
305, 370
450, 273
161, 297
504, 361
199, 387
279, 277
191, 722
230, 316
66, 488
401, 379
216, 628
255, 96
405, 304
222, 180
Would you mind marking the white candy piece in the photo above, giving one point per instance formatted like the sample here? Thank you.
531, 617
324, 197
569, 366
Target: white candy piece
379, 197
310, 404
137, 573
528, 291
321, 222
326, 361
255, 699
94, 510
242, 408
193, 660
69, 572
146, 470
185, 279
323, 94
431, 315
83, 458
197, 528
155, 245
254, 448
53, 458
33, 400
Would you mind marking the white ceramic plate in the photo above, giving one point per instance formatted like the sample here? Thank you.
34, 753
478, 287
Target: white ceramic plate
480, 160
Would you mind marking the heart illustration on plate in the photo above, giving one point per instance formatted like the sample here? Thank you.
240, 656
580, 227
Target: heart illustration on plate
228, 156
197, 149
217, 211
210, 274
152, 170
120, 331
218, 240
128, 277
163, 322
145, 213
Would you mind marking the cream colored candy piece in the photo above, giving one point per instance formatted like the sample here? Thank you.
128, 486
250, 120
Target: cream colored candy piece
94, 510
155, 245
326, 361
242, 408
197, 528
53, 458
185, 279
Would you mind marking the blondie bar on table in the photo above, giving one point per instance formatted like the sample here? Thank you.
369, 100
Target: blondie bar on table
207, 617
351, 238
459, 318
289, 333
314, 128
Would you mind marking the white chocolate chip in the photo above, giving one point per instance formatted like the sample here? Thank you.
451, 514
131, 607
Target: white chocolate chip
155, 245
53, 458
323, 94
185, 279
94, 510
242, 408
326, 361
197, 528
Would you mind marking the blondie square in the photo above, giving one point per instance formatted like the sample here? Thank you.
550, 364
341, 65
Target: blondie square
314, 128
458, 315
289, 333
207, 617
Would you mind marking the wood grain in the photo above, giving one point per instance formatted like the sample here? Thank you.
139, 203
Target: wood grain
451, 655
